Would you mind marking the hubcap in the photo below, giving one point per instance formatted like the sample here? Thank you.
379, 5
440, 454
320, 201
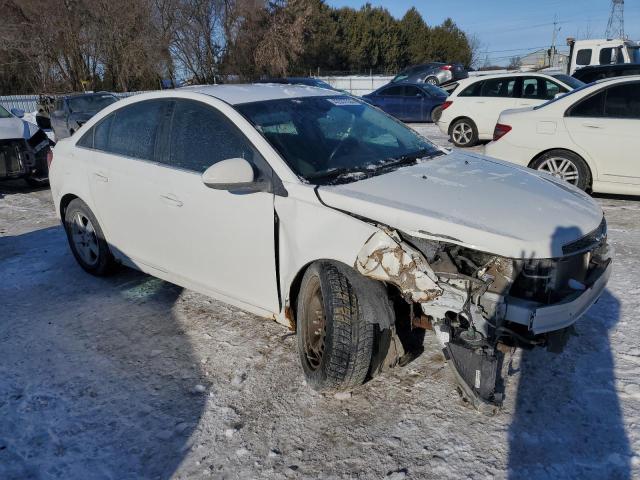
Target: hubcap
85, 239
462, 133
315, 329
561, 168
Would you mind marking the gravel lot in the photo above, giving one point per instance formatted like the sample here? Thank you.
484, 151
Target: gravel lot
131, 377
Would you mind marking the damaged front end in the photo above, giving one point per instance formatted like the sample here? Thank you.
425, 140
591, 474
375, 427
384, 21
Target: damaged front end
24, 157
481, 304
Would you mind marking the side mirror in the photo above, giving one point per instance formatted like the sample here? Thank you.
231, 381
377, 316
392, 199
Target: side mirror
230, 174
18, 112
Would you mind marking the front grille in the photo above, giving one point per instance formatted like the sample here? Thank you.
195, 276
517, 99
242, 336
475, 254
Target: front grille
588, 242
12, 158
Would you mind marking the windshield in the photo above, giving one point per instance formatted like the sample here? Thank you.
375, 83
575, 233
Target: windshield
90, 103
570, 81
328, 140
4, 113
562, 97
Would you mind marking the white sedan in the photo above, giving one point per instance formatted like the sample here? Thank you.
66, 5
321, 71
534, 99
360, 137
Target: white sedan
323, 213
472, 110
590, 137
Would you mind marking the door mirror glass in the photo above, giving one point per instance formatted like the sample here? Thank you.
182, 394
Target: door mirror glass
229, 174
18, 112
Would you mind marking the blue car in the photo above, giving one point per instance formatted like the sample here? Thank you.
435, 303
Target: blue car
409, 102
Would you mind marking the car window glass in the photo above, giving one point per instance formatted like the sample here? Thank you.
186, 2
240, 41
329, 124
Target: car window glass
606, 56
623, 101
393, 91
201, 136
584, 57
101, 133
86, 140
472, 90
135, 130
590, 107
540, 89
410, 91
498, 87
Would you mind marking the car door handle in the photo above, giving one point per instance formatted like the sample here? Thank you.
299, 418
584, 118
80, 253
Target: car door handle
101, 177
171, 200
592, 125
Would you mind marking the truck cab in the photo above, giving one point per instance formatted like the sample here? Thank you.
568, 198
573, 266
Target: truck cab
585, 53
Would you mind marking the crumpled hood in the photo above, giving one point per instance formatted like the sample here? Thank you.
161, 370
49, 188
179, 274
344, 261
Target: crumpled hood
475, 201
13, 127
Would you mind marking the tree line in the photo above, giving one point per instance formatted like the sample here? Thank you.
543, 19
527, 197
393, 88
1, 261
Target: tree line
124, 45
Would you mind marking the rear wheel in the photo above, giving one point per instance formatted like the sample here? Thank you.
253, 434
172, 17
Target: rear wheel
464, 133
335, 342
436, 113
432, 81
566, 166
86, 239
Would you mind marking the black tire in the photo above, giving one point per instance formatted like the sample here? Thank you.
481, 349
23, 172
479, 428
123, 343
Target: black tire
347, 344
575, 165
436, 113
102, 262
432, 81
467, 125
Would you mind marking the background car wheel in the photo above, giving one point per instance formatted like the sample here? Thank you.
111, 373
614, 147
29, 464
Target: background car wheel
335, 342
464, 133
436, 113
432, 81
86, 239
566, 166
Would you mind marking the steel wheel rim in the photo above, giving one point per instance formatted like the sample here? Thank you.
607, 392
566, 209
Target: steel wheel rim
462, 133
561, 168
85, 240
315, 328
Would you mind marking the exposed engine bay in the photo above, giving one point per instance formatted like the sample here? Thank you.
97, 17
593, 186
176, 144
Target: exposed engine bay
481, 305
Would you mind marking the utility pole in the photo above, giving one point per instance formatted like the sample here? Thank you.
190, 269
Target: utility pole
554, 39
615, 27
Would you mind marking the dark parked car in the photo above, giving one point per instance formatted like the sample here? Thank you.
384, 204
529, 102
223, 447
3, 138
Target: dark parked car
70, 112
311, 82
408, 102
435, 73
598, 72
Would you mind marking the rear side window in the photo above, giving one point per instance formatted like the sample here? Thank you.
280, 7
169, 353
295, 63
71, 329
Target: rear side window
623, 101
590, 107
584, 57
201, 136
606, 56
135, 130
472, 90
499, 87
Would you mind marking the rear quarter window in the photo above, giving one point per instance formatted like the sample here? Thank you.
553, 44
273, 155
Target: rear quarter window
472, 90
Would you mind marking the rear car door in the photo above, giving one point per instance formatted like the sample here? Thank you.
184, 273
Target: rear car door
122, 173
220, 241
391, 100
496, 96
606, 125
413, 104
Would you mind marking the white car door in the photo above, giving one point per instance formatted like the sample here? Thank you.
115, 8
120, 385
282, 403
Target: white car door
606, 126
122, 173
219, 241
496, 96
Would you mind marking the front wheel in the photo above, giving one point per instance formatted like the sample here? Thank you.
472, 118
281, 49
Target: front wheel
566, 166
335, 342
86, 239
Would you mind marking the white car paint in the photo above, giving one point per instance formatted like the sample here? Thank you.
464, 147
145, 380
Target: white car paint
166, 222
609, 146
484, 110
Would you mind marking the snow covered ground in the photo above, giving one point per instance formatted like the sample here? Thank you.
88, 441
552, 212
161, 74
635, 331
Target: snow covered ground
130, 377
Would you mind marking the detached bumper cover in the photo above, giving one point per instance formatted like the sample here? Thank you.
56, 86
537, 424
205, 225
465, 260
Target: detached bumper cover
549, 318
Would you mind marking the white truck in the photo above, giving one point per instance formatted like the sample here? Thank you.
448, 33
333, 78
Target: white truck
584, 53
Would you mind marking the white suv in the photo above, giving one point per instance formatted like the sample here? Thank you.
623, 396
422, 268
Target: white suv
590, 137
472, 110
321, 212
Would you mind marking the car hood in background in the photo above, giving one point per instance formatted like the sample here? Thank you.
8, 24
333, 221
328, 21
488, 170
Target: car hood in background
13, 127
475, 201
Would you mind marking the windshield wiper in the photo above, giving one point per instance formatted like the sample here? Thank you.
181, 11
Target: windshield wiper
333, 176
410, 159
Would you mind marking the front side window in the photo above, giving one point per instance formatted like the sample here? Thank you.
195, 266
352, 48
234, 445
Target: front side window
411, 91
134, 131
499, 87
623, 101
584, 57
201, 136
336, 139
607, 56
393, 92
540, 89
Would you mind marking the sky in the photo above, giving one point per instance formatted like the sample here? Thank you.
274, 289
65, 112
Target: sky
508, 28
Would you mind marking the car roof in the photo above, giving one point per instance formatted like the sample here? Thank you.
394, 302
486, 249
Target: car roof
88, 94
258, 92
476, 78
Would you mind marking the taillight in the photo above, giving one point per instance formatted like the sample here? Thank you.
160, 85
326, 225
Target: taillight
500, 131
446, 67
49, 157
446, 104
